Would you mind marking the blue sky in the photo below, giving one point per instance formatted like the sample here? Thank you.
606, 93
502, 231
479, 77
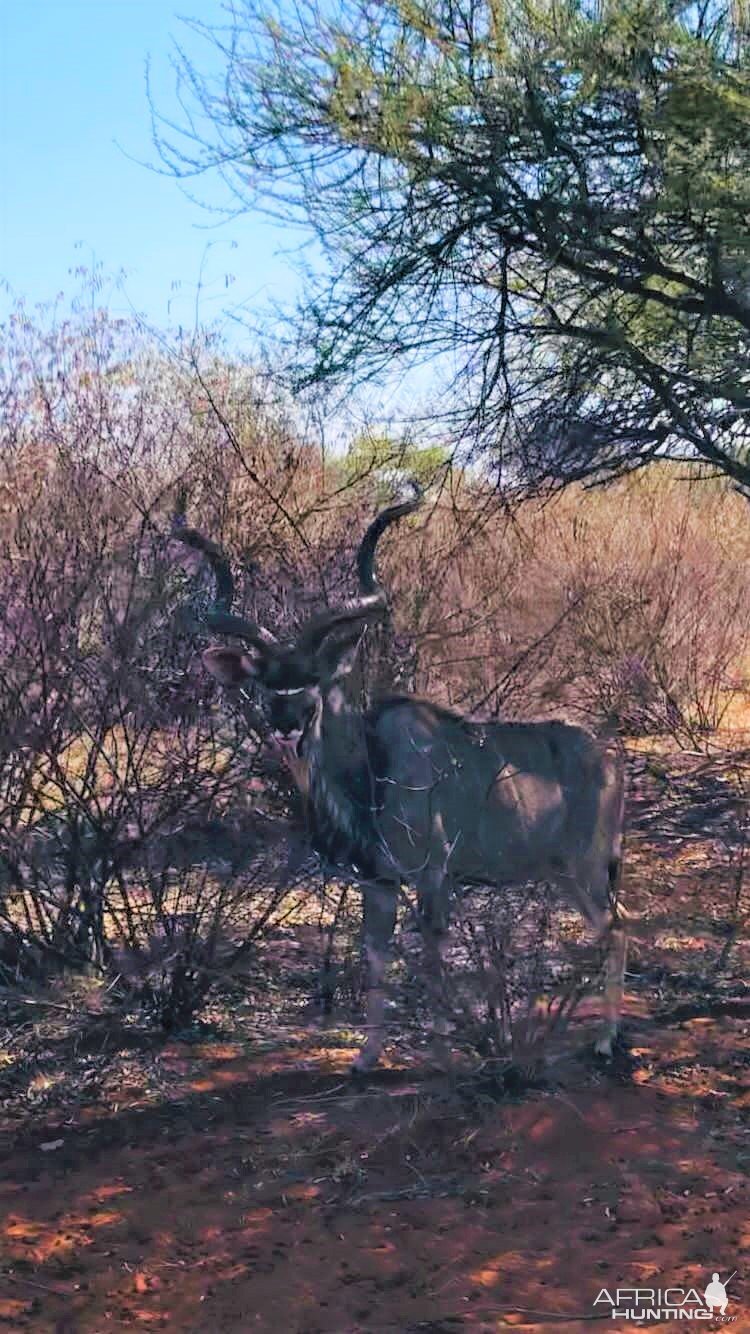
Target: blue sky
73, 115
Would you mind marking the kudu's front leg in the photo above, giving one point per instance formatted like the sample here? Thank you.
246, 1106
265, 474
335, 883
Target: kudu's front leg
434, 902
379, 920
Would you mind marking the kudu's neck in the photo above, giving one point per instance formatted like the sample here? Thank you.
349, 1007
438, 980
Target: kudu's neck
340, 784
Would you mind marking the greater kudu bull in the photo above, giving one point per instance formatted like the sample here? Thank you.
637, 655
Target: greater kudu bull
410, 792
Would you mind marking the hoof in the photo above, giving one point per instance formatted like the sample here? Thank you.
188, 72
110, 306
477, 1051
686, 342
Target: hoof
439, 1054
615, 1056
604, 1046
364, 1063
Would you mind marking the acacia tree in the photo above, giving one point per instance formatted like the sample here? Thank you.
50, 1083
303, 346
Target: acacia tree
555, 191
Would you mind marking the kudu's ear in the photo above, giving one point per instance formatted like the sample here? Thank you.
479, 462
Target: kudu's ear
231, 666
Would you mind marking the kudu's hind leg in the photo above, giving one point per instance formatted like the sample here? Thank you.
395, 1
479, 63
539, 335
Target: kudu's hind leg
379, 920
614, 988
597, 908
617, 953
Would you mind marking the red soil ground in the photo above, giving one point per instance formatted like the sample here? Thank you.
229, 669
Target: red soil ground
221, 1186
268, 1195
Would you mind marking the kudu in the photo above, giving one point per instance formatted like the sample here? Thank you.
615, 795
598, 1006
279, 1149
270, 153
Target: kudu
411, 792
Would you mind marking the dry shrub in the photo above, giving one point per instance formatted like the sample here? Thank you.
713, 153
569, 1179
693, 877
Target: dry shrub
515, 966
123, 789
627, 605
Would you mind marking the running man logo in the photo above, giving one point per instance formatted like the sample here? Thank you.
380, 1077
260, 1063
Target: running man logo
641, 1304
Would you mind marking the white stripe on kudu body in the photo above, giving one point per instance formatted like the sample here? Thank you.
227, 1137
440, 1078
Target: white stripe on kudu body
412, 792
